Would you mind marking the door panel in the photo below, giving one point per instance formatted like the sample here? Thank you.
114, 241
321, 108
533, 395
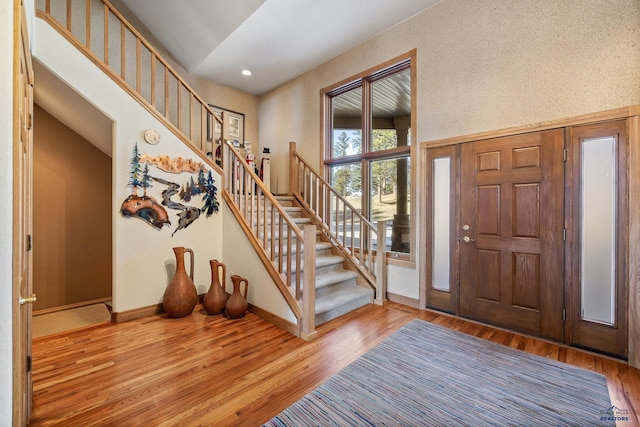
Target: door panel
600, 242
511, 256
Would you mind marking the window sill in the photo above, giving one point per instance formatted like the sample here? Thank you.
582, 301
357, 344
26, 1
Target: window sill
400, 260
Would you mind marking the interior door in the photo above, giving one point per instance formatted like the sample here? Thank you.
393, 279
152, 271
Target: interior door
23, 388
598, 238
511, 228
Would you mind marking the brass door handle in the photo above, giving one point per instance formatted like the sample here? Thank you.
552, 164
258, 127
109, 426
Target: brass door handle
467, 239
29, 300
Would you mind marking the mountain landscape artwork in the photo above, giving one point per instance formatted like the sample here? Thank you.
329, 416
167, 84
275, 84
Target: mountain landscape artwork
200, 185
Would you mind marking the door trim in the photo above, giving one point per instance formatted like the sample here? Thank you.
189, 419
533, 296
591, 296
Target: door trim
633, 133
633, 261
21, 314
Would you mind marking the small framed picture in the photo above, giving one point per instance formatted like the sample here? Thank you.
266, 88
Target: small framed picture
236, 124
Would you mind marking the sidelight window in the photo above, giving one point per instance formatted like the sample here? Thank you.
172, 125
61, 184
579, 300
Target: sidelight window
598, 230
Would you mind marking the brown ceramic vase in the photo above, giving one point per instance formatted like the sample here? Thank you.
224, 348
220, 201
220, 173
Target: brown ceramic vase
237, 304
216, 297
181, 295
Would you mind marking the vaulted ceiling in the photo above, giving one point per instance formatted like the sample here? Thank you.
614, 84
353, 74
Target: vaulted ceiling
277, 40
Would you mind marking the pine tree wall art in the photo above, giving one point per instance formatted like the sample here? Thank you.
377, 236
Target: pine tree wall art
146, 207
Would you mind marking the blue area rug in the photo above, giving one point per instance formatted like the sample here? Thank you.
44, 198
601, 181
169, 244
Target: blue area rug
427, 375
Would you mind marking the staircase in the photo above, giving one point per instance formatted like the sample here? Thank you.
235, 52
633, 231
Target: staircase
345, 271
337, 289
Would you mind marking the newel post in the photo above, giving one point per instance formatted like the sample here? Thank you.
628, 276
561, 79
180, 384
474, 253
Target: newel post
381, 264
309, 284
293, 181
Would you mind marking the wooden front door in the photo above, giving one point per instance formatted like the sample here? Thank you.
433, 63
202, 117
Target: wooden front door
511, 232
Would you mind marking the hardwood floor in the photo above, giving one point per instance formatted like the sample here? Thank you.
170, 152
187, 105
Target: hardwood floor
209, 370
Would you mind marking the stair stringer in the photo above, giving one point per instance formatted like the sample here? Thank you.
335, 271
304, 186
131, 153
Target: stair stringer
121, 82
57, 51
272, 301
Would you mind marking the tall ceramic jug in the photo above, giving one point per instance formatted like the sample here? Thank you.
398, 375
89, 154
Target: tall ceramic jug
216, 297
181, 295
237, 304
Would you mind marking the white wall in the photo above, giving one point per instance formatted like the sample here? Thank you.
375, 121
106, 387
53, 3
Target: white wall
481, 65
6, 211
144, 261
240, 258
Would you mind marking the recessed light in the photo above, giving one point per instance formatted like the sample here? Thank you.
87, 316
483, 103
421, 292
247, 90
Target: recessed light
246, 72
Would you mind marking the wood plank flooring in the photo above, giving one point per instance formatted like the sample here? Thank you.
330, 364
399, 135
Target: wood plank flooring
209, 370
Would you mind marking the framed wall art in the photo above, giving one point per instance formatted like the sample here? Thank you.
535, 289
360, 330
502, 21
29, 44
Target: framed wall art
236, 125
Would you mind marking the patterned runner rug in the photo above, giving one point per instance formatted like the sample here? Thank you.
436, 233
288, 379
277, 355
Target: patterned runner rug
427, 375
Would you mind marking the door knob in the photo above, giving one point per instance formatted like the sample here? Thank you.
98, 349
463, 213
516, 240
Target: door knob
465, 227
467, 239
29, 300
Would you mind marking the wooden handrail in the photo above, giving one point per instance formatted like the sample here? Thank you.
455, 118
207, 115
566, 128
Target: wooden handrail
324, 182
327, 206
277, 239
197, 130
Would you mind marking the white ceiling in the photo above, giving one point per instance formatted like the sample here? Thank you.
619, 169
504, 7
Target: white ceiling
277, 40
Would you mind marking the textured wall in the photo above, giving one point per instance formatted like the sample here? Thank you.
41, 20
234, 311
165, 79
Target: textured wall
485, 65
481, 65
